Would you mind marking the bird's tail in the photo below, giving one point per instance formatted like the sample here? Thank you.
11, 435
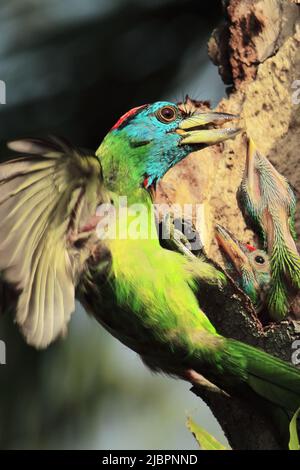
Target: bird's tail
274, 380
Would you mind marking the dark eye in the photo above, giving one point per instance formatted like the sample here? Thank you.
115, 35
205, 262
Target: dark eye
167, 114
259, 259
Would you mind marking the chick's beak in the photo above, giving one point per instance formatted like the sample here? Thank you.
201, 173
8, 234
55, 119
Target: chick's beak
199, 128
232, 250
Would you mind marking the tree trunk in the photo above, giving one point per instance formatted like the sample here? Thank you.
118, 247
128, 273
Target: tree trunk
257, 51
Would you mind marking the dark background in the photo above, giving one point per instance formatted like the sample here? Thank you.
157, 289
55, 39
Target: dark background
71, 68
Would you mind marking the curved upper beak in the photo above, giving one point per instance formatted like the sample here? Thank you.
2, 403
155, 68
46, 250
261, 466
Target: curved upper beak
200, 128
232, 249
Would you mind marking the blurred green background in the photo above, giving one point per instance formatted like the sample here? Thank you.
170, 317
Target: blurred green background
71, 68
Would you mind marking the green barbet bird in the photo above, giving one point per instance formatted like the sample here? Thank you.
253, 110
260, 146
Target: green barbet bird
249, 266
146, 296
269, 205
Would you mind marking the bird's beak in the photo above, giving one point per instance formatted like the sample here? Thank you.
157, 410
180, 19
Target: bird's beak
250, 171
200, 128
232, 249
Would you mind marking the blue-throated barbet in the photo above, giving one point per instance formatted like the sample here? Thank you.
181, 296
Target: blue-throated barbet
149, 296
248, 265
269, 203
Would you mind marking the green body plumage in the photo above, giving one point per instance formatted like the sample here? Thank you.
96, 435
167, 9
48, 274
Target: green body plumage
150, 303
269, 204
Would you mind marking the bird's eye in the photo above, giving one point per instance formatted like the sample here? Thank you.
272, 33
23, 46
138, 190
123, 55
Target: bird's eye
167, 114
259, 259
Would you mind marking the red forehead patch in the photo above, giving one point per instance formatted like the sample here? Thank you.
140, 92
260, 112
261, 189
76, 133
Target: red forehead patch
250, 247
127, 115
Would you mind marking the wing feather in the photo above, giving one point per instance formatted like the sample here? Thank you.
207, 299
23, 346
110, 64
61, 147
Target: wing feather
43, 197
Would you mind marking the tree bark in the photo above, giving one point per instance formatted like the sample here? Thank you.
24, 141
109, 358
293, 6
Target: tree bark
257, 51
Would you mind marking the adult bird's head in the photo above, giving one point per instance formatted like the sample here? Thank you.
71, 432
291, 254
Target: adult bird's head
150, 139
248, 265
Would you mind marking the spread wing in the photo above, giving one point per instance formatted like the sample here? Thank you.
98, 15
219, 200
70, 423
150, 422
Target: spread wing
45, 196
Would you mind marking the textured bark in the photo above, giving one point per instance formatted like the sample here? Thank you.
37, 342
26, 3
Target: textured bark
257, 51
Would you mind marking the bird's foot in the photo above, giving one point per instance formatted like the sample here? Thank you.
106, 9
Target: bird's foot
179, 235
